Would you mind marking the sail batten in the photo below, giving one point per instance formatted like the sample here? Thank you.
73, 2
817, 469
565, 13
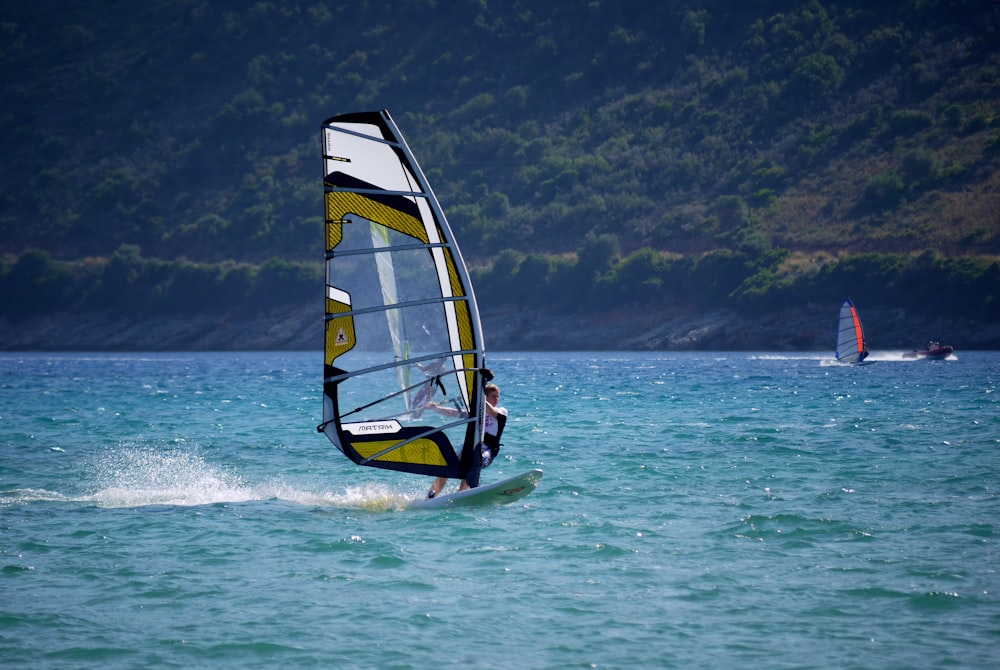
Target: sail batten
411, 361
374, 191
348, 131
401, 247
402, 325
399, 305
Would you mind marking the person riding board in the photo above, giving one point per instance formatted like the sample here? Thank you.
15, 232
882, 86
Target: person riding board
494, 421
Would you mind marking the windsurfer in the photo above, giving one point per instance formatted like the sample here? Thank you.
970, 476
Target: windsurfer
494, 421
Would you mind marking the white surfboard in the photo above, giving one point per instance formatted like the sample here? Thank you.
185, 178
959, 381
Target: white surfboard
499, 493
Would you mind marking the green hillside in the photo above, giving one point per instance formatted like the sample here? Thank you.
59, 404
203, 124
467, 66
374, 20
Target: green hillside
741, 153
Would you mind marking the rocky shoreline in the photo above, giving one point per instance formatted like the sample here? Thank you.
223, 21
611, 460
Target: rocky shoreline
809, 328
298, 328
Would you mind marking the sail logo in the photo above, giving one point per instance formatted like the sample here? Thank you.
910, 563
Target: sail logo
372, 427
341, 337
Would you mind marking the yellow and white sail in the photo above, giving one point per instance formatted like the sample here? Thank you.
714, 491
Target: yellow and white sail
402, 326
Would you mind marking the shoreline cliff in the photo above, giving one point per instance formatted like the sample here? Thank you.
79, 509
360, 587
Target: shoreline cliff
299, 328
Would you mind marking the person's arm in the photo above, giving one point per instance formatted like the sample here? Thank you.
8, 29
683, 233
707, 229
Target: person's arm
444, 410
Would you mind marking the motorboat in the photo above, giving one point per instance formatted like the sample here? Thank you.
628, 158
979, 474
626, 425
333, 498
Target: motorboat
935, 351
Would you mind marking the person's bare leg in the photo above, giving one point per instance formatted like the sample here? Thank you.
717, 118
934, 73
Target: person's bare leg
438, 485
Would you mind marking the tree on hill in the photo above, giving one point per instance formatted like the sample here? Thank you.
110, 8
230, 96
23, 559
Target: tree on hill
726, 135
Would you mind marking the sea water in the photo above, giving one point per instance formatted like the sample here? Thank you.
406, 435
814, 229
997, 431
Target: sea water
698, 510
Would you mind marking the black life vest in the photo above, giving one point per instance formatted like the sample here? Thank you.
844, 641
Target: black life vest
493, 441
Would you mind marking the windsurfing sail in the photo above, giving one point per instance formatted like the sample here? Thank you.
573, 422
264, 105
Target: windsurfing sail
851, 346
402, 325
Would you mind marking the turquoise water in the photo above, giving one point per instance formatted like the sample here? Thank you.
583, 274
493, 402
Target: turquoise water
699, 510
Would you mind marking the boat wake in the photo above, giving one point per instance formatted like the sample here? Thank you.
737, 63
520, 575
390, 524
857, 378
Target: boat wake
883, 356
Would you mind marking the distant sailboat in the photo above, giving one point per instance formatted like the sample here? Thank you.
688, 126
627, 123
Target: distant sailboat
401, 318
852, 349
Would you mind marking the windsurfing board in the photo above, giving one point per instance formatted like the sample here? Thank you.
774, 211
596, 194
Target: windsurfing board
498, 493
